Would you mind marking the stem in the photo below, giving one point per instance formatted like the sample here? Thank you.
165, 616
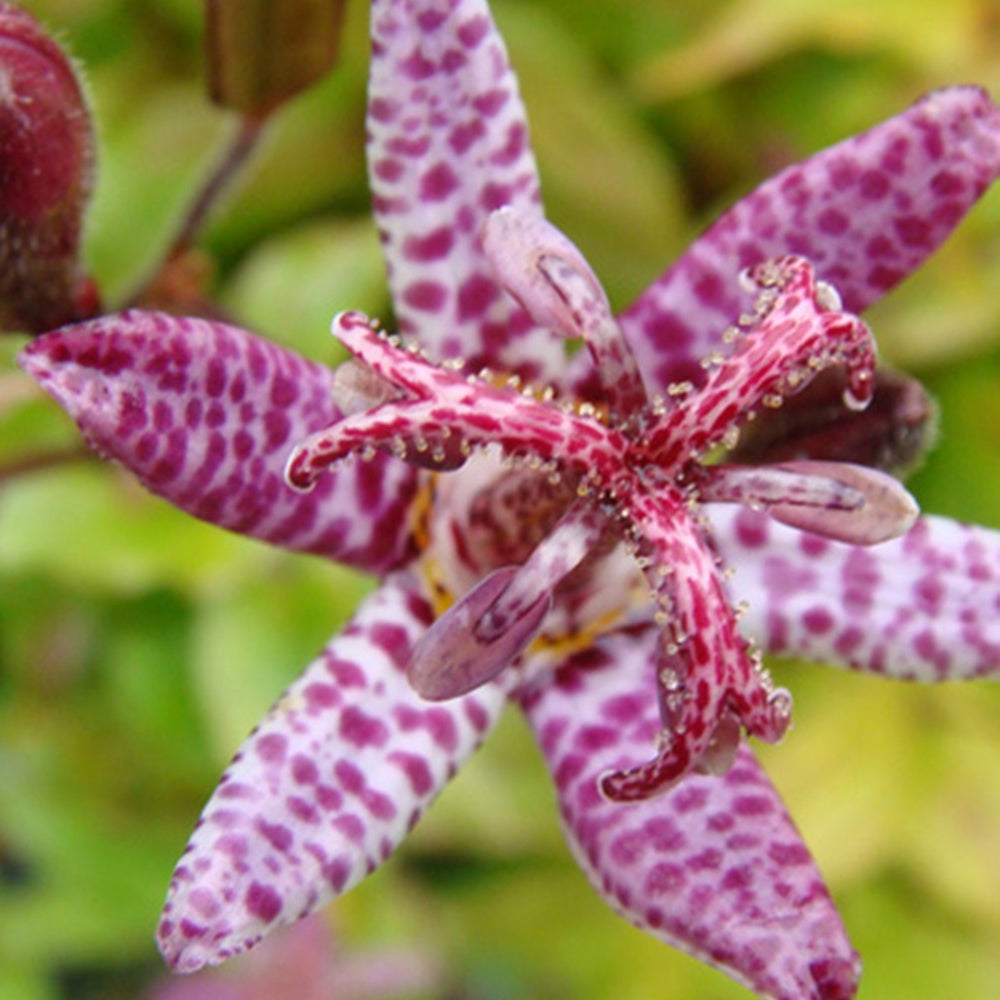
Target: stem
234, 156
216, 185
43, 460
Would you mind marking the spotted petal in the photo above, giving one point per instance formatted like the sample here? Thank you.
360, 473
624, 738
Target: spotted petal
324, 789
715, 866
923, 607
448, 143
204, 414
866, 212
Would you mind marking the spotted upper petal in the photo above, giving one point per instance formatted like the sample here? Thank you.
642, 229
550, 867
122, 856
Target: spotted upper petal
448, 143
324, 788
923, 607
866, 212
715, 866
204, 414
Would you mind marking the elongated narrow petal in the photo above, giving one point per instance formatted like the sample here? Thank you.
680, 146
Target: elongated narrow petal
866, 212
324, 789
205, 414
715, 866
922, 607
448, 144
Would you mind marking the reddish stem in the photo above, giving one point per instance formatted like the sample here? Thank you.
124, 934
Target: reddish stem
235, 154
43, 460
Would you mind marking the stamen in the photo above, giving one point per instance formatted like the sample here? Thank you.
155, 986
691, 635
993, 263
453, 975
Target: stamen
564, 548
849, 503
451, 658
546, 273
888, 510
759, 487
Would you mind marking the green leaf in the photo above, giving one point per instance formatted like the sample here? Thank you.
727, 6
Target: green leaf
291, 286
251, 641
961, 476
747, 34
91, 524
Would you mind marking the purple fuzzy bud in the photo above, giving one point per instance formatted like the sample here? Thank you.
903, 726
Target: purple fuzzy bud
46, 160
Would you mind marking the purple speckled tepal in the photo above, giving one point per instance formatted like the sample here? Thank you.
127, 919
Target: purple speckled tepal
352, 754
866, 212
205, 414
714, 866
559, 534
448, 143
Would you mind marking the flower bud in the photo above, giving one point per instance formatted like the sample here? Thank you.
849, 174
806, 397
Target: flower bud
261, 52
46, 161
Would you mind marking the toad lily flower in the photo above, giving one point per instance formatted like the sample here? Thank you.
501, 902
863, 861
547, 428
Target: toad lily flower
632, 477
561, 546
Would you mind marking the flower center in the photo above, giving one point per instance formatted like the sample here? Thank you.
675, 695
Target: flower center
580, 483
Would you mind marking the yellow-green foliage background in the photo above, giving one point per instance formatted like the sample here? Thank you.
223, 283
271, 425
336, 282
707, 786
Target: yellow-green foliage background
137, 647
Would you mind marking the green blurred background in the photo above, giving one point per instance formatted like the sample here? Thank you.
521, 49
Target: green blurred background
137, 647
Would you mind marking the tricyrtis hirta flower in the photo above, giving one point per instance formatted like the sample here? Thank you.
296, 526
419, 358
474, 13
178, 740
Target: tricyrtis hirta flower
631, 474
559, 533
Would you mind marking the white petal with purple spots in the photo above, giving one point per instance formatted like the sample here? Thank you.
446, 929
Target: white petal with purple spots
325, 787
714, 866
923, 607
